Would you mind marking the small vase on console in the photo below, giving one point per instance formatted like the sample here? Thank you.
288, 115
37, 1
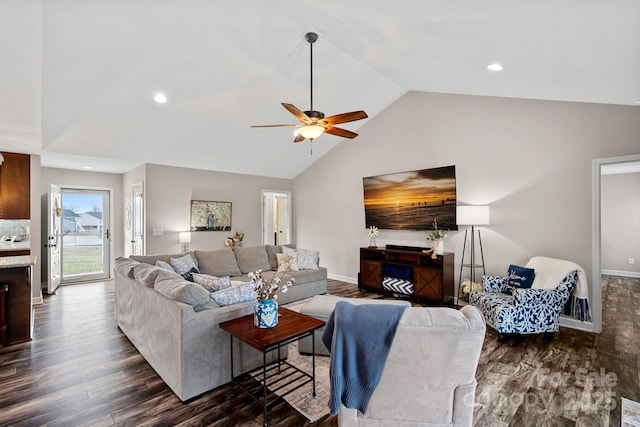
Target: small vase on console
437, 248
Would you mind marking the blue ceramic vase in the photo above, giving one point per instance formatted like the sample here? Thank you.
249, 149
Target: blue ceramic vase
266, 314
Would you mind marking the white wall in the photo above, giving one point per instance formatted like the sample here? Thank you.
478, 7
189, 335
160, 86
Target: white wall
529, 160
168, 194
620, 210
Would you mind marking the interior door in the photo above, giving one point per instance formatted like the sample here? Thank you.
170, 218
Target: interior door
282, 220
276, 217
137, 226
54, 238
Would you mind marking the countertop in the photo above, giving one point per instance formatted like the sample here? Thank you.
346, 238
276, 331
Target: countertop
15, 246
17, 261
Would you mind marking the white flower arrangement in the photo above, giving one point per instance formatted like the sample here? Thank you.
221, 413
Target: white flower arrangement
466, 287
436, 234
268, 289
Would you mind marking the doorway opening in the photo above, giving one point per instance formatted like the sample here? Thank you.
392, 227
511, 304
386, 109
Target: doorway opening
601, 167
276, 217
85, 250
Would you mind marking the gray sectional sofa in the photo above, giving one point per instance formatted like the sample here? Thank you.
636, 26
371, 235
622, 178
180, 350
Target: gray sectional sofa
174, 323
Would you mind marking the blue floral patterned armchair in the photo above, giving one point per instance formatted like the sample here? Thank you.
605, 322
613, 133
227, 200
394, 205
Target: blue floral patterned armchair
511, 310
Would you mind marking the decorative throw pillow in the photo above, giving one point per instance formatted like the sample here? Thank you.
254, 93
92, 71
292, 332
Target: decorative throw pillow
184, 264
212, 283
164, 265
308, 260
288, 261
188, 276
518, 277
234, 294
288, 249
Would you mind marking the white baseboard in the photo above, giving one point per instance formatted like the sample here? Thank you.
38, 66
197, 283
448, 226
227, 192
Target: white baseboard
343, 278
621, 273
568, 322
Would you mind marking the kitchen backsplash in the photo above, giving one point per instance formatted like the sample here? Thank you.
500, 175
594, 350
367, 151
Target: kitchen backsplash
18, 227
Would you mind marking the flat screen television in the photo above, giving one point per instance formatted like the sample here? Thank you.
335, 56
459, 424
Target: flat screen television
411, 200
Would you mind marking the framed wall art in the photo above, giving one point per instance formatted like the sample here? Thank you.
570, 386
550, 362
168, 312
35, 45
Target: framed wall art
412, 200
210, 216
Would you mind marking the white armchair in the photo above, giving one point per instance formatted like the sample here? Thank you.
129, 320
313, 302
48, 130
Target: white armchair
429, 377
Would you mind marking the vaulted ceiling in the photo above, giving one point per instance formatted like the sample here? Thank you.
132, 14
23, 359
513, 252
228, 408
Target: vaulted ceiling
77, 77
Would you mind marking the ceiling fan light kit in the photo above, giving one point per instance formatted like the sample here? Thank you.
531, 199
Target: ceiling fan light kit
314, 123
311, 132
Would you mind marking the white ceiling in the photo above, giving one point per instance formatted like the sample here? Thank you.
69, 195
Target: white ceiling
77, 77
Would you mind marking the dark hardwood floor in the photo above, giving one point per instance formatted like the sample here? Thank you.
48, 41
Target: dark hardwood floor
81, 370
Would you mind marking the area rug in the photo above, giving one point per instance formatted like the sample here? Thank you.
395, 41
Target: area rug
302, 400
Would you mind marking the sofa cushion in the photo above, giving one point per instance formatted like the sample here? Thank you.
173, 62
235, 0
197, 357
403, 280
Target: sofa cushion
221, 262
272, 251
252, 258
172, 286
212, 283
151, 259
125, 266
302, 276
184, 264
288, 261
234, 295
146, 274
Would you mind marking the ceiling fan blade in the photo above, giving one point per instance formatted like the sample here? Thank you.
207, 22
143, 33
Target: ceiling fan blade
345, 117
298, 138
340, 132
271, 126
296, 112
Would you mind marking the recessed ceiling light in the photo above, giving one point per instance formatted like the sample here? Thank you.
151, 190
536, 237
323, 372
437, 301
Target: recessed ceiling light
87, 167
495, 67
160, 98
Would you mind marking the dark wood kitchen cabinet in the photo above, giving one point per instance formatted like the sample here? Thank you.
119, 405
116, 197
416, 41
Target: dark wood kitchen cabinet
15, 184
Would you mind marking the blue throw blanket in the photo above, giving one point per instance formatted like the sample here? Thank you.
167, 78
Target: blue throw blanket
359, 338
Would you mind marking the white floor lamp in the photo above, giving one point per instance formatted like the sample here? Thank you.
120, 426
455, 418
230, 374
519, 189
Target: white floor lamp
472, 215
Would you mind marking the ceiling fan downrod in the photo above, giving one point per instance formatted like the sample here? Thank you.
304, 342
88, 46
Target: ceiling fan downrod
311, 38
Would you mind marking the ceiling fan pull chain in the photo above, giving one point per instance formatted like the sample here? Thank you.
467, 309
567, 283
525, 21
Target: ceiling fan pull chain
311, 147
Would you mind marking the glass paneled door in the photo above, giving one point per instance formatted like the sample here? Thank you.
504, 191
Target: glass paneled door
86, 236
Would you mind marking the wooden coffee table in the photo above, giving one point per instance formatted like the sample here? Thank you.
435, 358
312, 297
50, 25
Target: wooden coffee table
291, 327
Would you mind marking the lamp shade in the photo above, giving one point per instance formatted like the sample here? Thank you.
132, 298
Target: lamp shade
185, 237
472, 215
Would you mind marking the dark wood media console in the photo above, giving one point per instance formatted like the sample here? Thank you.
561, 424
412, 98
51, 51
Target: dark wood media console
432, 279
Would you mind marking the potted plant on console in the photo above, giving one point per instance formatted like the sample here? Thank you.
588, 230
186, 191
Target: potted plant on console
437, 239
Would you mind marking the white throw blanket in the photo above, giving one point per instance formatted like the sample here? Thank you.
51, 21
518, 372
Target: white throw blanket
550, 271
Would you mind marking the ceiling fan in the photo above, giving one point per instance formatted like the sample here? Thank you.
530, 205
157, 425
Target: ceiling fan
313, 123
